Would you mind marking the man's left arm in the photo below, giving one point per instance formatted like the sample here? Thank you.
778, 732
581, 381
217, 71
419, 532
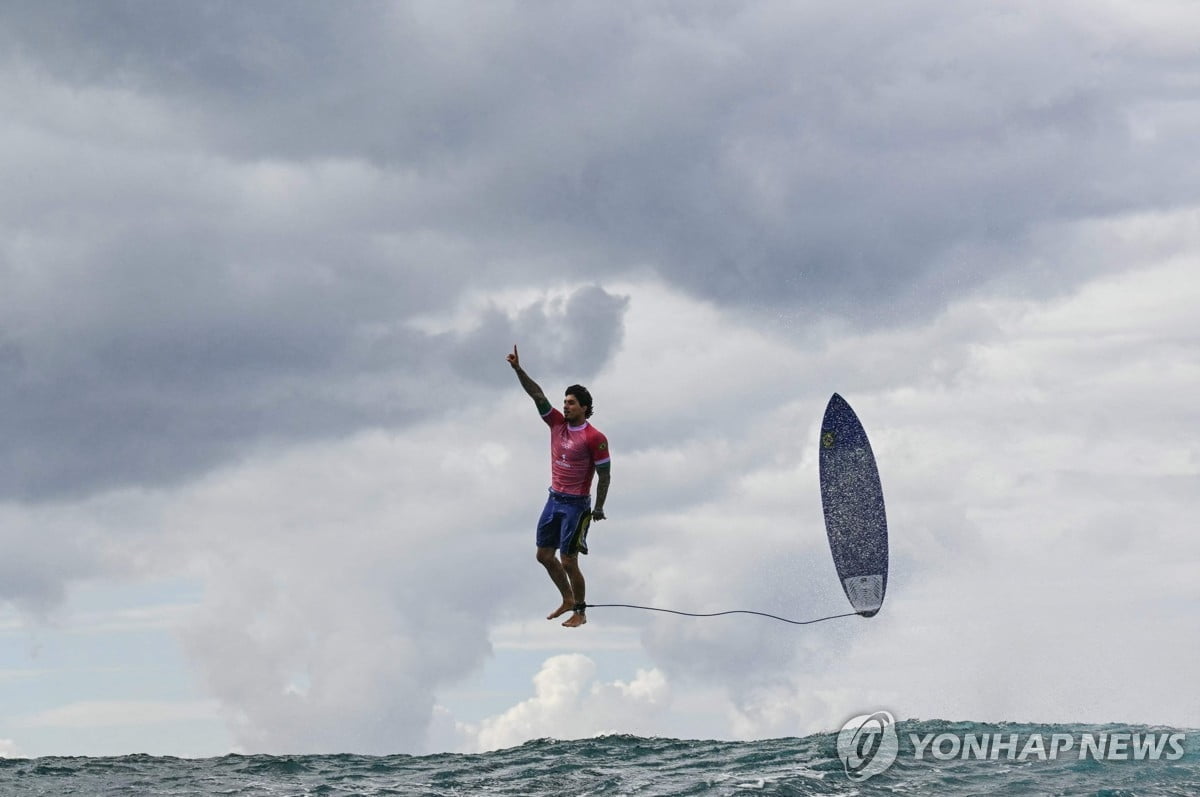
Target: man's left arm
603, 473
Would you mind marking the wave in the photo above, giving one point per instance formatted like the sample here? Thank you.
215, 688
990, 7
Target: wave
932, 757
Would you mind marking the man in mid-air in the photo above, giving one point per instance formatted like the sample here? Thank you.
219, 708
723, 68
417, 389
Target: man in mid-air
577, 450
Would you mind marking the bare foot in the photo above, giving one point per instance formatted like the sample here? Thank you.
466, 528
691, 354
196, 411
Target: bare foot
575, 620
561, 610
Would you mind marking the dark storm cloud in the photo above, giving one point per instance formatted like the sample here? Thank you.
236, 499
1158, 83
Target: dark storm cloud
218, 216
157, 399
767, 152
567, 339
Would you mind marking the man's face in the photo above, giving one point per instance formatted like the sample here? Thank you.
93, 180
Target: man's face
572, 410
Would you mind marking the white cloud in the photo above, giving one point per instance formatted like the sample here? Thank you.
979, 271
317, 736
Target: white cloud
1032, 472
1038, 494
117, 713
539, 634
569, 703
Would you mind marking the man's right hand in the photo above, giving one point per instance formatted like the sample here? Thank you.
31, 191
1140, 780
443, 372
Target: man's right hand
513, 359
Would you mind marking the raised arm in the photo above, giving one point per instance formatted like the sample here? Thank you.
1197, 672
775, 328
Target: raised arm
531, 387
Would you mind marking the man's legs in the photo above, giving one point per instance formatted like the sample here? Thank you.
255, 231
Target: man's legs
570, 565
564, 525
559, 576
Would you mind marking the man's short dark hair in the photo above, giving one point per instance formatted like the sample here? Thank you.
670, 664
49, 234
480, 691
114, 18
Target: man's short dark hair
581, 395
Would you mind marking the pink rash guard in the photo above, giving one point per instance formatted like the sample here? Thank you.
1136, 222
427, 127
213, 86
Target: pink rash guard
575, 451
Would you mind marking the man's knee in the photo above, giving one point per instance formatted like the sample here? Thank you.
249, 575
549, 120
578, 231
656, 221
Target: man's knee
545, 555
570, 563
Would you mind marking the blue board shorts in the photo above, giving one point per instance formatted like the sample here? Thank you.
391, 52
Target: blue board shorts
564, 523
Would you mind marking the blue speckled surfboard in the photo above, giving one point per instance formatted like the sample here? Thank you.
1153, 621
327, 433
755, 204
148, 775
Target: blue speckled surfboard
852, 498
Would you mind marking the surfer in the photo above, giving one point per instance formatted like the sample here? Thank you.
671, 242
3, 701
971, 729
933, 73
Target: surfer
577, 450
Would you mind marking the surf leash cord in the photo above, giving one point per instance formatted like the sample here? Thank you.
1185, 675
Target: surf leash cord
717, 614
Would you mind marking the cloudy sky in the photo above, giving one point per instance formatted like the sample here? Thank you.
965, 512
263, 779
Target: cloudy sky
268, 485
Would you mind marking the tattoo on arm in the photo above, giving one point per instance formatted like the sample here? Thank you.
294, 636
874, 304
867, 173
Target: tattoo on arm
534, 391
604, 474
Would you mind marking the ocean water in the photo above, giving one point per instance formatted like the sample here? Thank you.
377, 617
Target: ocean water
616, 765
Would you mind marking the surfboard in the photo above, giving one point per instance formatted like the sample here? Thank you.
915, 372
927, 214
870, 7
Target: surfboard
852, 499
